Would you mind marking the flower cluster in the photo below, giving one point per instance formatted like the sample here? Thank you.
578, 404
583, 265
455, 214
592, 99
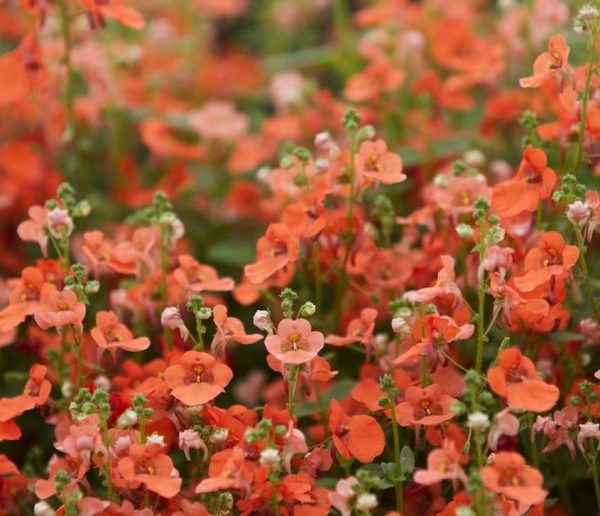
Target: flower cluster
344, 267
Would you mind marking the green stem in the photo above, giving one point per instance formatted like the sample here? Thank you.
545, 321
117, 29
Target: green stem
586, 274
274, 500
584, 101
164, 293
293, 378
65, 26
200, 330
108, 466
535, 459
398, 483
480, 326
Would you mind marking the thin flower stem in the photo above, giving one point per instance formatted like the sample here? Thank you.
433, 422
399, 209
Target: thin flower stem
293, 377
398, 484
586, 275
108, 466
274, 499
535, 459
164, 293
584, 101
65, 25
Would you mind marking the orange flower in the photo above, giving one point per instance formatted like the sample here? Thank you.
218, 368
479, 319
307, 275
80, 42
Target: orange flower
35, 393
442, 464
375, 162
534, 182
360, 436
197, 378
295, 342
551, 258
510, 477
196, 277
277, 249
24, 66
163, 141
59, 309
109, 333
34, 229
146, 465
360, 329
424, 406
229, 329
549, 64
24, 298
515, 378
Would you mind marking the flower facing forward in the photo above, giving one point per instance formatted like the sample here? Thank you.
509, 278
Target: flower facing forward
197, 378
110, 333
375, 162
424, 406
295, 342
511, 478
359, 436
146, 465
515, 378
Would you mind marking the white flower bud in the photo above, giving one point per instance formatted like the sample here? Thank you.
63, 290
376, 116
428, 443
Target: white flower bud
262, 320
465, 230
478, 421
155, 438
43, 509
474, 158
269, 457
219, 435
366, 502
127, 419
67, 389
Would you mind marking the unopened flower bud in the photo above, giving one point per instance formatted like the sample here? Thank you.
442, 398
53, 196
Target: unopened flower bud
127, 419
578, 213
270, 457
66, 389
366, 502
465, 230
43, 509
478, 421
307, 309
399, 324
262, 320
171, 318
219, 435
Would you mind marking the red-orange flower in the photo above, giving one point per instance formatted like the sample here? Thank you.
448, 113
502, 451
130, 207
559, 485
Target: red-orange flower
35, 393
196, 277
534, 182
277, 249
510, 477
515, 378
375, 162
424, 406
197, 378
551, 258
360, 329
109, 333
359, 436
548, 64
148, 466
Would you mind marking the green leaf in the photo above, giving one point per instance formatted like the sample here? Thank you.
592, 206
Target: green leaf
407, 460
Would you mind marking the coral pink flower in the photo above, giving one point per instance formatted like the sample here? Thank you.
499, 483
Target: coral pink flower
277, 249
295, 342
196, 277
424, 406
515, 378
109, 333
148, 466
549, 64
375, 162
197, 378
509, 476
229, 329
35, 393
442, 464
59, 309
344, 492
219, 120
24, 298
34, 229
359, 329
360, 436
